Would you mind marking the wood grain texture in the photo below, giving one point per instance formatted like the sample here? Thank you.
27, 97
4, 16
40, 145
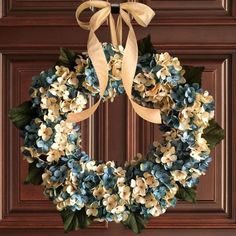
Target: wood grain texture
207, 8
199, 32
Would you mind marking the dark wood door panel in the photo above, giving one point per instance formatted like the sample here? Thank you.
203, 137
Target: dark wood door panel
117, 230
165, 9
215, 190
199, 32
53, 36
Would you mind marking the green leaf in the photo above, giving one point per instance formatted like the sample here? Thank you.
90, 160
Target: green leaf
22, 115
34, 174
135, 222
145, 46
75, 219
193, 74
67, 58
213, 134
187, 194
70, 220
83, 220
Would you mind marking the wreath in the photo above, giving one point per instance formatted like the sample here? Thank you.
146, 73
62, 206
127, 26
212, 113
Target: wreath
84, 189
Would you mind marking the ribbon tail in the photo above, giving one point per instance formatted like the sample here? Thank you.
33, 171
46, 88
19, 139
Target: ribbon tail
114, 38
96, 54
83, 115
119, 30
128, 70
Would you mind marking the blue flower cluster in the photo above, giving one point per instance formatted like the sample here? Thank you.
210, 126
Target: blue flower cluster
115, 85
88, 183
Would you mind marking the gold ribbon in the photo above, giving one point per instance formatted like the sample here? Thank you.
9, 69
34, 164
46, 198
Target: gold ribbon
143, 15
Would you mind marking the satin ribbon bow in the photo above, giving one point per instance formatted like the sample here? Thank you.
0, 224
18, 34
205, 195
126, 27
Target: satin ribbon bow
143, 15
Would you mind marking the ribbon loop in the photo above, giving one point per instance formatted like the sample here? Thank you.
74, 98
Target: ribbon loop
141, 12
142, 15
98, 18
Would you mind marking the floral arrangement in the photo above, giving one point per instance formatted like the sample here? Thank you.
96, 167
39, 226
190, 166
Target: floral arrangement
84, 189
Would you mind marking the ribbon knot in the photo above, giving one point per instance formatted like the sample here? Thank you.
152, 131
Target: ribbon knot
142, 15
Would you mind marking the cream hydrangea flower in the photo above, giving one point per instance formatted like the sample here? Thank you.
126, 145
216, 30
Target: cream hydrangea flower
196, 173
163, 73
80, 65
200, 147
140, 79
176, 64
54, 155
118, 209
120, 172
120, 181
140, 199
33, 154
65, 106
48, 103
62, 71
91, 165
74, 201
169, 155
78, 103
69, 148
196, 154
64, 127
171, 135
170, 195
92, 209
111, 95
156, 211
110, 202
124, 192
46, 177
179, 175
70, 189
115, 66
71, 183
53, 113
99, 192
58, 89
62, 204
60, 141
136, 159
90, 88
139, 186
73, 81
201, 142
150, 180
140, 88
150, 201
110, 164
100, 169
165, 60
45, 132
205, 97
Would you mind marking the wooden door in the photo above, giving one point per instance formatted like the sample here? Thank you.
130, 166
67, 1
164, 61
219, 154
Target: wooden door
199, 32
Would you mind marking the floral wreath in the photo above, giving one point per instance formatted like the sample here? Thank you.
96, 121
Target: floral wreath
84, 189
